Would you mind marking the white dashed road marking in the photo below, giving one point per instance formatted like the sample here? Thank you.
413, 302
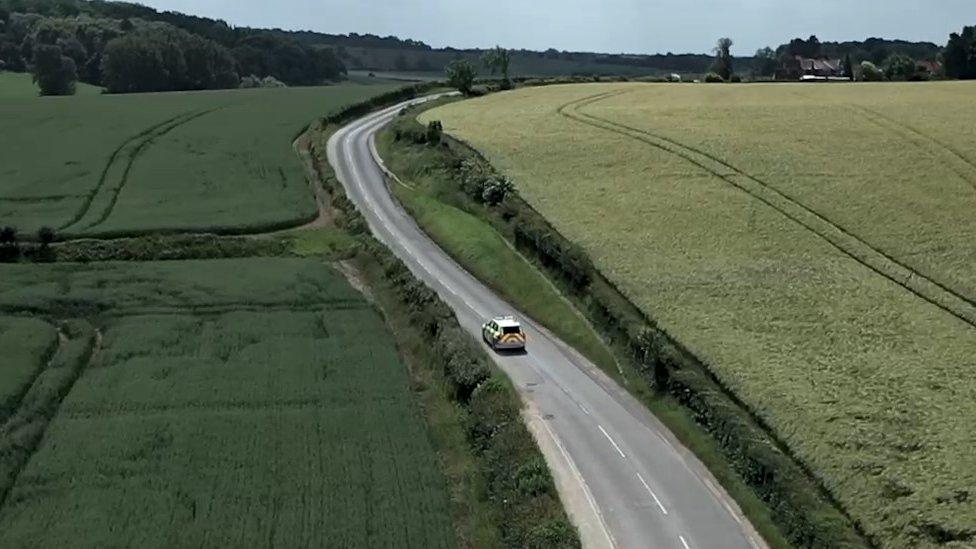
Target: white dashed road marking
615, 447
653, 495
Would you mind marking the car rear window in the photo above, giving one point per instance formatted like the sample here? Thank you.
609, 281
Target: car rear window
512, 330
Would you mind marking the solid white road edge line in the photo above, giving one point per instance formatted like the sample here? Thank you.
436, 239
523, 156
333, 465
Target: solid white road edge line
582, 482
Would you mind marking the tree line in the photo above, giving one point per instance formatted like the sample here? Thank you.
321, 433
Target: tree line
877, 59
61, 43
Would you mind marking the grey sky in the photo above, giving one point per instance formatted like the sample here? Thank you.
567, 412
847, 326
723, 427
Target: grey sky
614, 26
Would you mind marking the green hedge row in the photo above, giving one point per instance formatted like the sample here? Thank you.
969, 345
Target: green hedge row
517, 481
163, 248
806, 513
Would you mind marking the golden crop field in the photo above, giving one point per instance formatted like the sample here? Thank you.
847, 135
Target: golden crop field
814, 244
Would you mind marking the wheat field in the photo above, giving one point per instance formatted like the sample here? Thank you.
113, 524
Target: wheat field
813, 244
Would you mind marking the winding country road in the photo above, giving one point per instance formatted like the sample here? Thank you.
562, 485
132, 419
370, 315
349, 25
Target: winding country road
625, 480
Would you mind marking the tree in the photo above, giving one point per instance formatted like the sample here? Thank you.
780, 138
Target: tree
847, 66
73, 48
460, 75
400, 63
498, 60
8, 235
959, 56
46, 236
899, 67
139, 63
54, 73
164, 58
766, 62
723, 58
10, 55
871, 73
295, 64
810, 48
8, 244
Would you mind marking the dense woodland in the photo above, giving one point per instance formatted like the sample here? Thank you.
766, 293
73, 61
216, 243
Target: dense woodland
127, 47
131, 48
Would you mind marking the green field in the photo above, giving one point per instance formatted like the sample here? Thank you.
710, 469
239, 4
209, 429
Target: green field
26, 343
196, 161
17, 85
813, 244
224, 403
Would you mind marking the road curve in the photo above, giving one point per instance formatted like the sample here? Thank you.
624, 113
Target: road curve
625, 480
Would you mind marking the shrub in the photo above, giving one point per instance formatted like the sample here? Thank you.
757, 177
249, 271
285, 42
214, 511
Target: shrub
9, 251
8, 235
554, 533
899, 67
489, 409
434, 131
713, 78
46, 235
463, 365
735, 79
250, 81
495, 188
871, 73
460, 75
532, 478
253, 81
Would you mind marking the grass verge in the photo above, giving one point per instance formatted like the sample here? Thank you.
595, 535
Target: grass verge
460, 228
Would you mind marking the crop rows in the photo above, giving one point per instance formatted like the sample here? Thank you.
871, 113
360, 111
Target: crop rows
240, 426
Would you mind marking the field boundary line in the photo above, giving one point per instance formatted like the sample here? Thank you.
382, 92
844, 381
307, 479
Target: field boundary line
51, 198
134, 155
342, 304
926, 288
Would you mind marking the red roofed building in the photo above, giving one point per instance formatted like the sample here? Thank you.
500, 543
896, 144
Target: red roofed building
928, 69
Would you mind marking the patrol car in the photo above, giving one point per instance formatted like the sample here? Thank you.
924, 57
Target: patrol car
504, 333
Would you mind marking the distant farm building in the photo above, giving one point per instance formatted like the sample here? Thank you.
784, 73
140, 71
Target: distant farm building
804, 68
928, 69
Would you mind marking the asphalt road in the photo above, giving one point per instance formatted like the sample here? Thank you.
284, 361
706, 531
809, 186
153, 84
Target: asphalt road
625, 480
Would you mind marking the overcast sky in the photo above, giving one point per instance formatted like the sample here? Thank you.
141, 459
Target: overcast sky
611, 26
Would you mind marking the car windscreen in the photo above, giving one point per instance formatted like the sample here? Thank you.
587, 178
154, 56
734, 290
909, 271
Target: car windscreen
511, 330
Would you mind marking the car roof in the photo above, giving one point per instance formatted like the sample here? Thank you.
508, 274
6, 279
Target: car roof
506, 321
